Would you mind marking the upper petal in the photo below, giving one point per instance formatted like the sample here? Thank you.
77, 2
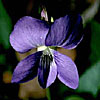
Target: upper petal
65, 32
27, 68
28, 33
67, 71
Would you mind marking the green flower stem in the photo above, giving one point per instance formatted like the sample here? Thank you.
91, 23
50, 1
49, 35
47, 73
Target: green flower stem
48, 94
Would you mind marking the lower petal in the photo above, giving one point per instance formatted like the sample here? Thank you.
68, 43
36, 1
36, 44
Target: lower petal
27, 68
43, 70
67, 70
47, 71
52, 74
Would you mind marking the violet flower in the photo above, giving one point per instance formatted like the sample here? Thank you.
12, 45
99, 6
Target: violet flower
47, 64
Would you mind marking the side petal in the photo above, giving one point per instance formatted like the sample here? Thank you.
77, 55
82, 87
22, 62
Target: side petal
65, 32
28, 33
67, 71
47, 71
27, 68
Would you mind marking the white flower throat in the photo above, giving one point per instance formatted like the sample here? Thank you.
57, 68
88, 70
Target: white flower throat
46, 50
45, 60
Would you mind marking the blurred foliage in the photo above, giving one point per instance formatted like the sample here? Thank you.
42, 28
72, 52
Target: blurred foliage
2, 59
74, 98
90, 80
95, 42
5, 26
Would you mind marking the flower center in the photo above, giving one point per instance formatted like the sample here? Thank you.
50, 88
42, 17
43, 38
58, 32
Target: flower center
41, 48
47, 56
47, 50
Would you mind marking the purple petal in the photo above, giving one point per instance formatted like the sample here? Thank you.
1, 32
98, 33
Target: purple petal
43, 70
27, 68
52, 74
67, 71
47, 71
28, 33
65, 32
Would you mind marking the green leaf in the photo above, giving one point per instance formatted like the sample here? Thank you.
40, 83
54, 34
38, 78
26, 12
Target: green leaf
5, 26
62, 88
95, 42
73, 98
2, 59
90, 80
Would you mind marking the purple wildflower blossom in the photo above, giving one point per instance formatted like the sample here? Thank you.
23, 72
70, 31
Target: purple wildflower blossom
29, 33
